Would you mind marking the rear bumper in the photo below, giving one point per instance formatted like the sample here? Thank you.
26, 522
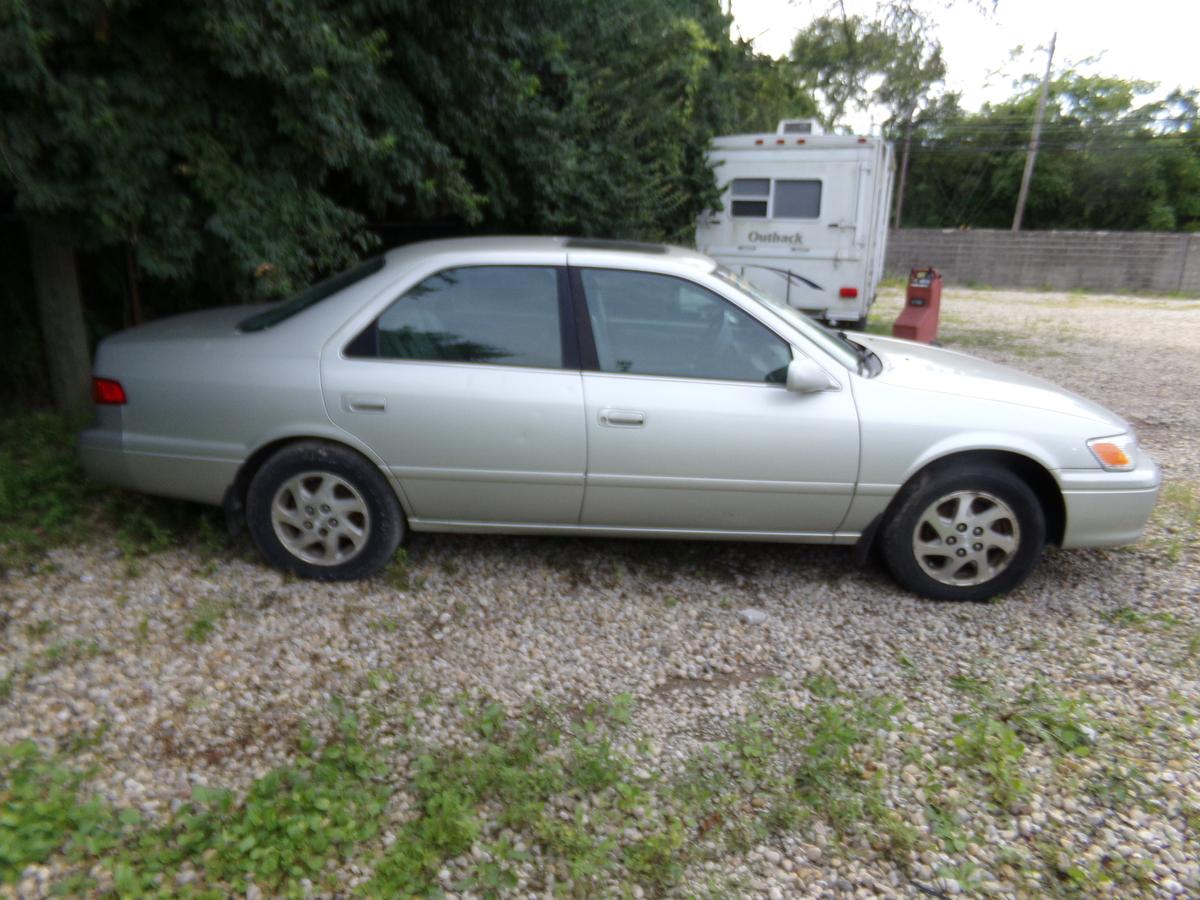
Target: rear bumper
1109, 509
106, 458
103, 457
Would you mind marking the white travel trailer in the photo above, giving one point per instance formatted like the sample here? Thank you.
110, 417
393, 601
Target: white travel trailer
805, 217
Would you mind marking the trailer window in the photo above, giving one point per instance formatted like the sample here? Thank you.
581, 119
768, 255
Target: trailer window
797, 199
750, 197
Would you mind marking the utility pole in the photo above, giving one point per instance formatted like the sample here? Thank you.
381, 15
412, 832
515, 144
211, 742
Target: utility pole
1033, 139
903, 168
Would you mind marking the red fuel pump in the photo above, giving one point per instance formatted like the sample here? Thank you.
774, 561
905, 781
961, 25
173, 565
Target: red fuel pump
918, 321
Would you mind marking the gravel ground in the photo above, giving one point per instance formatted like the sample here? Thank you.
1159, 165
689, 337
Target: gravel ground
203, 670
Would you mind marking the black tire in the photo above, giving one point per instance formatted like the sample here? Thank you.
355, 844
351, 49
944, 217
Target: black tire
968, 491
377, 515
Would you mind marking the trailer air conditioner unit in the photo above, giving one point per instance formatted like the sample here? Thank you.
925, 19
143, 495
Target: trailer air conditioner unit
799, 126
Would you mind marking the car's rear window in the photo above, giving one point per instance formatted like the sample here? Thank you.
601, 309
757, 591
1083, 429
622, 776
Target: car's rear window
285, 309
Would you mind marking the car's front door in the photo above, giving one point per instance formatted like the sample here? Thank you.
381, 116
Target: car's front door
467, 386
690, 426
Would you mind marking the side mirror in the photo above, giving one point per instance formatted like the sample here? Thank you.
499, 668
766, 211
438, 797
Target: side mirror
805, 377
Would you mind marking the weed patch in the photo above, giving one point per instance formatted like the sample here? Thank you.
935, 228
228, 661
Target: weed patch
204, 618
399, 575
992, 740
288, 827
45, 501
1177, 520
44, 812
994, 339
42, 495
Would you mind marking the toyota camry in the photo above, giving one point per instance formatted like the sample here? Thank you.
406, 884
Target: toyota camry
570, 386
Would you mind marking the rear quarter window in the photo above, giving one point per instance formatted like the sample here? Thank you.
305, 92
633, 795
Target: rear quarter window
311, 296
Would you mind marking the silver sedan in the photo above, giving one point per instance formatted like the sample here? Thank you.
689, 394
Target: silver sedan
570, 386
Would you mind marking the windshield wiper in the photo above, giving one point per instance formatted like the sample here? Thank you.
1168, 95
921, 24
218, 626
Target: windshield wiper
865, 355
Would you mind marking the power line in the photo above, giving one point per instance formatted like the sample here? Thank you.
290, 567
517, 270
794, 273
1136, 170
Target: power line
1059, 125
1108, 150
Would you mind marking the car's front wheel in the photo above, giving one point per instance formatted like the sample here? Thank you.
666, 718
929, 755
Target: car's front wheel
966, 533
324, 512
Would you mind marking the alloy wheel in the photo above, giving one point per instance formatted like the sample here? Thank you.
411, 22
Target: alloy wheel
320, 518
966, 538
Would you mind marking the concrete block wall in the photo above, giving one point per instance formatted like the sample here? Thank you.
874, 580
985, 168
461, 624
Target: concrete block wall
1061, 260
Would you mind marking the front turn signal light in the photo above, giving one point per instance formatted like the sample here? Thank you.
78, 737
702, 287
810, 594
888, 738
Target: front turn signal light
1115, 453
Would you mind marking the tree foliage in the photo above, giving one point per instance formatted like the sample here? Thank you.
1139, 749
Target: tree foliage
258, 142
1106, 161
226, 149
852, 61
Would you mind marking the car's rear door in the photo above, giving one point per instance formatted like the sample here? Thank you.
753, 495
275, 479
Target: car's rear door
690, 426
467, 385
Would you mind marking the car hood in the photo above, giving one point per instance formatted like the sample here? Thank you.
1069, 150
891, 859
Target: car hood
202, 325
924, 368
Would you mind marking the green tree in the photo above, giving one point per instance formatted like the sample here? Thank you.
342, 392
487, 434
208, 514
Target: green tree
892, 60
1107, 160
851, 61
231, 149
188, 131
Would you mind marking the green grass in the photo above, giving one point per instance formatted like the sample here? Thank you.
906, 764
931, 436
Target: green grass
46, 502
42, 503
285, 828
1000, 340
1177, 520
203, 619
992, 739
567, 793
44, 812
1127, 615
398, 575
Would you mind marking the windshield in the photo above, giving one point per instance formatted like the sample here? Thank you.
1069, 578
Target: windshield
285, 309
841, 349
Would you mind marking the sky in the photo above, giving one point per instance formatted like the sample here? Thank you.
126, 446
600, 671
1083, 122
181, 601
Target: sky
1150, 40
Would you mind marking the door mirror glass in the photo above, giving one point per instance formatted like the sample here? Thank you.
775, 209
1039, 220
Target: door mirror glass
805, 377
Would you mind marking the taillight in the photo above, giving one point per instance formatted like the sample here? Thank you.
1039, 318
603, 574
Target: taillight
848, 293
106, 392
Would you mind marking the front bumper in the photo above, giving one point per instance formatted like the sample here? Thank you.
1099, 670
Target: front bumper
1108, 509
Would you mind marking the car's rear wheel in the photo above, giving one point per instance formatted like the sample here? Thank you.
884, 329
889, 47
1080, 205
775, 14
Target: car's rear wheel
966, 533
324, 512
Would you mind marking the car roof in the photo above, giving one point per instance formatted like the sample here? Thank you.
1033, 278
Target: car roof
578, 251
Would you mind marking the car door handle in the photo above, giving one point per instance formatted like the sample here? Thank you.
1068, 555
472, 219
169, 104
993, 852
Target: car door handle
364, 404
622, 418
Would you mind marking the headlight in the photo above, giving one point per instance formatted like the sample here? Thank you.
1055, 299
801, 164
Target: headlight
1117, 453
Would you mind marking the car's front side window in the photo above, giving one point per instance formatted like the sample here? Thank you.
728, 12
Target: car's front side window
501, 315
649, 324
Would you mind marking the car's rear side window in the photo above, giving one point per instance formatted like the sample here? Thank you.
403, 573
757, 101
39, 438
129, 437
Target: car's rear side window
501, 315
285, 309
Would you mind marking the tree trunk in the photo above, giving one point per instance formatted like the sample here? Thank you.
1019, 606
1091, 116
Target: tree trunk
60, 312
135, 294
